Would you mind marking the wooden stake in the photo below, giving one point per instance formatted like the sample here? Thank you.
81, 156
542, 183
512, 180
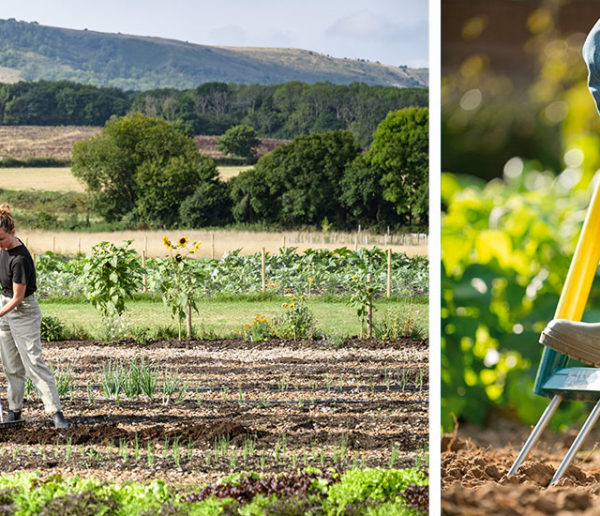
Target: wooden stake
188, 320
146, 244
79, 246
144, 276
53, 244
370, 309
283, 245
389, 273
212, 246
263, 271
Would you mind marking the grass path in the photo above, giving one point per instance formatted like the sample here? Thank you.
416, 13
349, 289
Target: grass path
224, 318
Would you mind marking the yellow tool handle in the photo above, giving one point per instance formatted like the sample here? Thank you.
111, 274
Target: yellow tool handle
578, 284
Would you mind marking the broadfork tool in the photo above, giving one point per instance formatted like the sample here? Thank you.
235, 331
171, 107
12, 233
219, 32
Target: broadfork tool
553, 378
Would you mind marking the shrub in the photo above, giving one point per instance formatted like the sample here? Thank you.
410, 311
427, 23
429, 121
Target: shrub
52, 329
297, 321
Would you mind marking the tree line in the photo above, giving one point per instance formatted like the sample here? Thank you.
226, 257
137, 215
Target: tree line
144, 172
276, 111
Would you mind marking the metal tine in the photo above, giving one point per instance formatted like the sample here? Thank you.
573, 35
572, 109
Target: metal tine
536, 433
581, 436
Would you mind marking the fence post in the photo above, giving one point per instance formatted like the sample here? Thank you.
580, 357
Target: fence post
53, 244
389, 273
283, 245
78, 246
370, 309
146, 244
263, 274
144, 277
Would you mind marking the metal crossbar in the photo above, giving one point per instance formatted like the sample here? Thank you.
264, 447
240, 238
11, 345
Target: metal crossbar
553, 378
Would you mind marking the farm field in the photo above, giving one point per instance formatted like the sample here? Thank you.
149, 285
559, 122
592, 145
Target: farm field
250, 242
476, 460
60, 179
231, 406
25, 142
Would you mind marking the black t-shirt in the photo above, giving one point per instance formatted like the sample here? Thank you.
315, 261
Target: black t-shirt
16, 266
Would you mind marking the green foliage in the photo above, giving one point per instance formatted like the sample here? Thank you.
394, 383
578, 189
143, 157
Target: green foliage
260, 330
357, 485
506, 249
400, 150
111, 274
300, 181
297, 321
52, 329
239, 140
209, 205
140, 168
362, 295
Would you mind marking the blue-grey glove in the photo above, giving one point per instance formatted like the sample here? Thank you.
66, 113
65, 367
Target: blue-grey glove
591, 55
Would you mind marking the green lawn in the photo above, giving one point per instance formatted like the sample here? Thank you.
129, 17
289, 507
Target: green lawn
223, 318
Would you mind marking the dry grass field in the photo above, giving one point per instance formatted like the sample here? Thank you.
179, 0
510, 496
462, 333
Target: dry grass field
250, 242
60, 179
27, 141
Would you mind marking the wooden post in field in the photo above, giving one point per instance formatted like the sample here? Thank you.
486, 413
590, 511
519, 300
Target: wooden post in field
145, 252
283, 244
212, 246
356, 238
369, 309
263, 270
389, 273
188, 320
53, 244
78, 246
144, 277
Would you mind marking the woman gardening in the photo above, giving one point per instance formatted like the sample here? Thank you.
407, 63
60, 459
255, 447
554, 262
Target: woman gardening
20, 323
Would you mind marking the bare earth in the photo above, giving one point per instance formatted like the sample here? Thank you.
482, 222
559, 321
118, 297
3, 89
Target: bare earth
272, 406
475, 463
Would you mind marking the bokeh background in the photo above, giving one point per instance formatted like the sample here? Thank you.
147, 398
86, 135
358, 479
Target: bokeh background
520, 156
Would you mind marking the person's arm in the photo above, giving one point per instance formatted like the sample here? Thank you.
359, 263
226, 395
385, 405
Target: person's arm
18, 296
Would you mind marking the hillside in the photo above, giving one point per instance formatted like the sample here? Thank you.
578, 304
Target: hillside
29, 51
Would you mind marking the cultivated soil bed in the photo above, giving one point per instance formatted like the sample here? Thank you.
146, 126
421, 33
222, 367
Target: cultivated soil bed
271, 407
475, 462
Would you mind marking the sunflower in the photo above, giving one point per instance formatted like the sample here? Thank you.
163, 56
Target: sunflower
167, 243
196, 246
182, 241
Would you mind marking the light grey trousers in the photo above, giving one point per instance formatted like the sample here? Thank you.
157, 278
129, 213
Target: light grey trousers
21, 353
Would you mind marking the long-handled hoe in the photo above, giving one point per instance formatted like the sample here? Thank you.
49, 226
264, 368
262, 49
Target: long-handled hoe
554, 379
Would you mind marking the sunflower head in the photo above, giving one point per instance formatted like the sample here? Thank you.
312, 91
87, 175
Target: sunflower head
196, 246
182, 241
167, 243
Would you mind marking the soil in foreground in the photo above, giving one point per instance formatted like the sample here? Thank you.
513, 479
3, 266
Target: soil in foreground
236, 406
475, 462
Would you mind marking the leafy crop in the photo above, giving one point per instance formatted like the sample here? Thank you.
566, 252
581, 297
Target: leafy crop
506, 249
371, 491
111, 274
313, 272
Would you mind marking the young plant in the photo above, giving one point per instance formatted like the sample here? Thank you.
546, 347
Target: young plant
259, 331
297, 320
179, 282
359, 299
111, 274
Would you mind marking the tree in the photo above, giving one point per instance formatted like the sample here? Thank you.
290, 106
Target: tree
400, 151
239, 140
140, 168
298, 183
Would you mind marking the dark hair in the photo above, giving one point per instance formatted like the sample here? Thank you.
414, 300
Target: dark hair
7, 223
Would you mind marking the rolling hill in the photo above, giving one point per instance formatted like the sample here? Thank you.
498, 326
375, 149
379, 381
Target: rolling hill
30, 51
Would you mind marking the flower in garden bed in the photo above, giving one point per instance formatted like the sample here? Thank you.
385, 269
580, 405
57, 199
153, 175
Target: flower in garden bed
167, 243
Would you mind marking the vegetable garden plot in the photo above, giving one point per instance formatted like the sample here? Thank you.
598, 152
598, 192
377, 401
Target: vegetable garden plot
213, 408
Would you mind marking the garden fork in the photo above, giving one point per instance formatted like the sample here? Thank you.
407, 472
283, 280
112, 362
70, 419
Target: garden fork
553, 378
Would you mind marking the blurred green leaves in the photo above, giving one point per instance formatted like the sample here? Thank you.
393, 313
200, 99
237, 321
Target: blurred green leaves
506, 250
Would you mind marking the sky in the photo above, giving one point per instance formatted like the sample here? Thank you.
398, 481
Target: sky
393, 32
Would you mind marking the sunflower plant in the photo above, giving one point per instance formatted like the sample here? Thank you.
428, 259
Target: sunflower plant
179, 282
